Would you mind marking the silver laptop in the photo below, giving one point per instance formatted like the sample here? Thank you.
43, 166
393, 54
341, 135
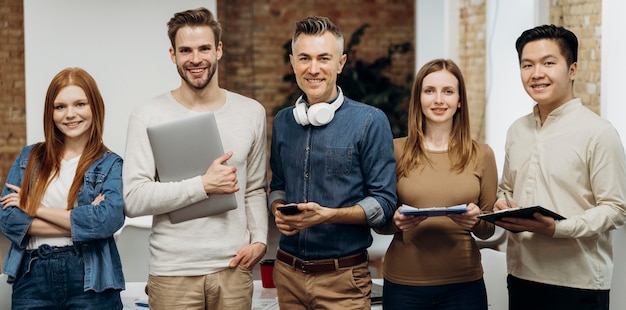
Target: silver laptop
186, 148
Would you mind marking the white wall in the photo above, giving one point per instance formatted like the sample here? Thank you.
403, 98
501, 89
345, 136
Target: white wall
613, 109
506, 98
436, 28
429, 30
122, 44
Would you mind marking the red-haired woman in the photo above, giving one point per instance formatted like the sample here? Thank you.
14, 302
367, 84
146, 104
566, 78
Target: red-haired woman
62, 203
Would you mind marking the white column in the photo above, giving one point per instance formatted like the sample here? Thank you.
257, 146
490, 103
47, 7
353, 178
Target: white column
429, 31
436, 30
613, 109
506, 98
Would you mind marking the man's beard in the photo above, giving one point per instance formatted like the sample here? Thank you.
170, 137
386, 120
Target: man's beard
212, 69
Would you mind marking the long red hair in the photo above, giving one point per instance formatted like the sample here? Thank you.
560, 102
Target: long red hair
45, 158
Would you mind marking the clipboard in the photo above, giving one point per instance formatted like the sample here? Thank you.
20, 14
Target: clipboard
520, 212
436, 211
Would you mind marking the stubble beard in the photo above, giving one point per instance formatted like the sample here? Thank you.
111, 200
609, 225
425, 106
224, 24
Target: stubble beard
202, 83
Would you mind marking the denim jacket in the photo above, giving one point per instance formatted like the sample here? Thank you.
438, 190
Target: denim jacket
92, 226
346, 162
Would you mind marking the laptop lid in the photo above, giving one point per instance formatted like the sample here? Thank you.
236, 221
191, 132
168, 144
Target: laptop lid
185, 148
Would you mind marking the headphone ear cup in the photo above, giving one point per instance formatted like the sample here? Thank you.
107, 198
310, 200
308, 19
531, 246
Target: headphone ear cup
300, 114
320, 114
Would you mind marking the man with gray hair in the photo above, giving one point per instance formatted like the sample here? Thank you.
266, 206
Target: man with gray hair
332, 157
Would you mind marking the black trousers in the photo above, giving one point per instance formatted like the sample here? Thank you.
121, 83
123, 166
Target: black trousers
525, 295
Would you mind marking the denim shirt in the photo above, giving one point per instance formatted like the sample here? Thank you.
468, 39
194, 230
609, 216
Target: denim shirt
92, 226
347, 162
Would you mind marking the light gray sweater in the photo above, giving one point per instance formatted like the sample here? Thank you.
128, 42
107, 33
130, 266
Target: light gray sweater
205, 245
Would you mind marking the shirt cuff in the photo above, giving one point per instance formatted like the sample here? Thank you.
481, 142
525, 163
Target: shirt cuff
563, 229
373, 211
274, 196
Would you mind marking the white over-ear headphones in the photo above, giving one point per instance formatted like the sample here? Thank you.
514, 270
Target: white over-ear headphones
318, 114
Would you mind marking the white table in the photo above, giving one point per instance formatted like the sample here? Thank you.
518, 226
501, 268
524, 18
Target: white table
262, 298
135, 292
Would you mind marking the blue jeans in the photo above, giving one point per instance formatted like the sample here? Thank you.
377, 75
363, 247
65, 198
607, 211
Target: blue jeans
53, 278
458, 296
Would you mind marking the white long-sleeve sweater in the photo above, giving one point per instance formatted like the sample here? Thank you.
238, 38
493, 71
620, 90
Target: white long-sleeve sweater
205, 245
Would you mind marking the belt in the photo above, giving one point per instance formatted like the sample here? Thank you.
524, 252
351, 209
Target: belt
44, 251
321, 265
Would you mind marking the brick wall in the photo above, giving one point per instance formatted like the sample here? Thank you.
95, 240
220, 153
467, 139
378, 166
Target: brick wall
255, 31
584, 18
12, 89
472, 33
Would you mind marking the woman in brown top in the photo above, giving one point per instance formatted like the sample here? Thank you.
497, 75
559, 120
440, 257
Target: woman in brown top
434, 262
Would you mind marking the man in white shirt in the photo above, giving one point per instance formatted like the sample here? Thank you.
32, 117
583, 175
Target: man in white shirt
567, 159
203, 263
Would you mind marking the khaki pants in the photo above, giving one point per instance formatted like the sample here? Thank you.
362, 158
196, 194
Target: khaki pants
345, 289
230, 288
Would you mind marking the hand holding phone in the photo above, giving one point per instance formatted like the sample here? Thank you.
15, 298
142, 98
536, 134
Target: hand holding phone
289, 209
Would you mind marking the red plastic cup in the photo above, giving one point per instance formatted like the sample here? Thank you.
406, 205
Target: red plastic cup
267, 270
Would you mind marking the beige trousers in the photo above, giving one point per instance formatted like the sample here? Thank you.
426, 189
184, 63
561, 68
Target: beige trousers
347, 288
230, 288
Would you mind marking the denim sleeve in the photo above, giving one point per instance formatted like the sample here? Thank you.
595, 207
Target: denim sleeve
379, 170
14, 222
274, 196
277, 183
91, 222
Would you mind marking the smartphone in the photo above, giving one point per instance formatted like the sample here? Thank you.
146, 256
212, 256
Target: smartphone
289, 209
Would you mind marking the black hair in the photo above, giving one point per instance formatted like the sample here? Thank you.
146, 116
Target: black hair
565, 39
